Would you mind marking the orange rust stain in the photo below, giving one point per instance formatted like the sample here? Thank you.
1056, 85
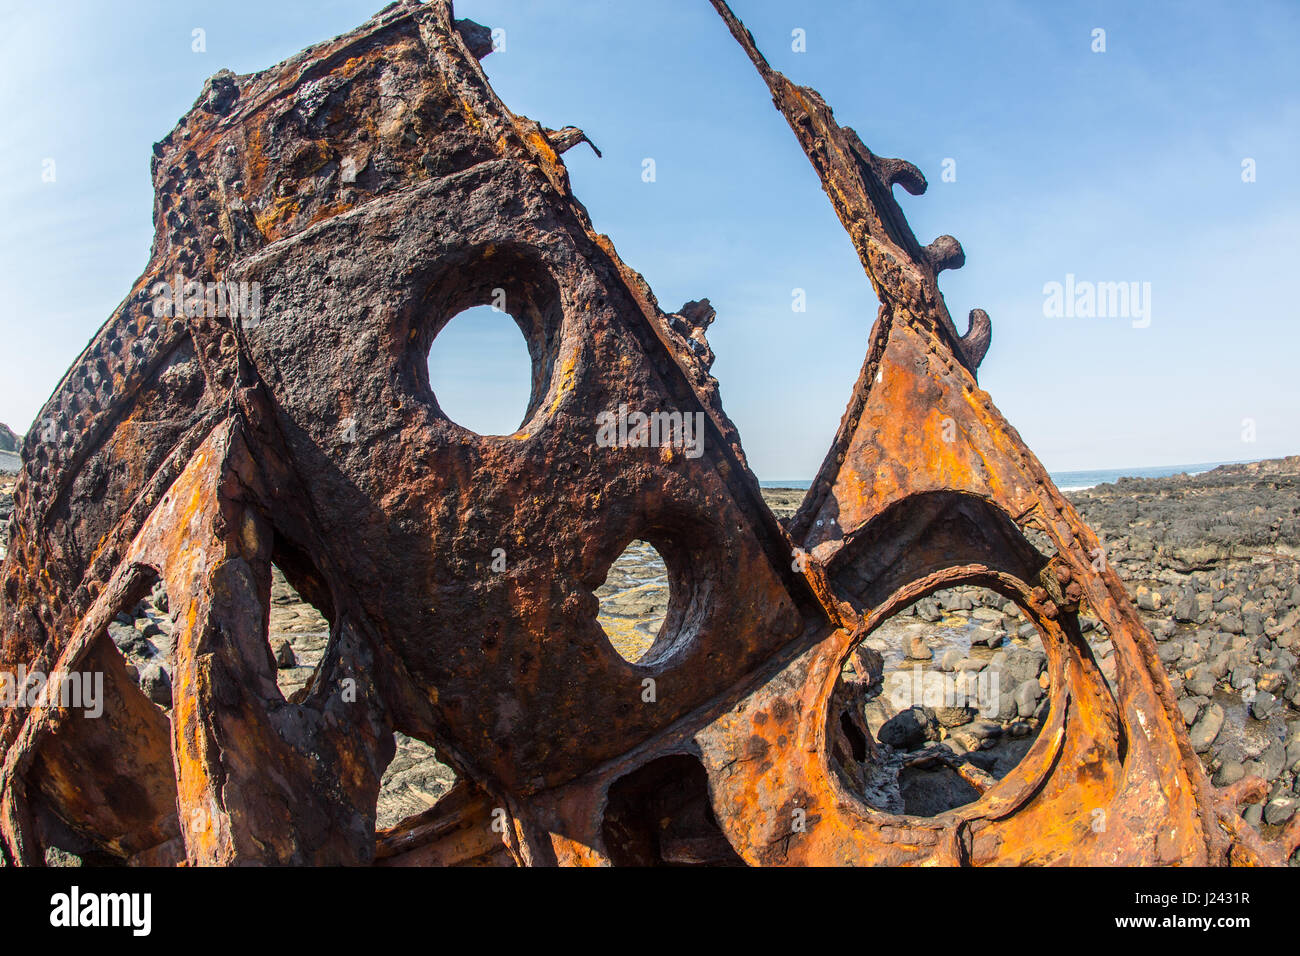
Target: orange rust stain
275, 223
255, 161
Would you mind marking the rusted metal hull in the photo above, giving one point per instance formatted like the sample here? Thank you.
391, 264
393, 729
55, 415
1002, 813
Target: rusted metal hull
373, 187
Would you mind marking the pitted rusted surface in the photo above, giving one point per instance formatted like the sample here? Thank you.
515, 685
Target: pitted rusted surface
372, 187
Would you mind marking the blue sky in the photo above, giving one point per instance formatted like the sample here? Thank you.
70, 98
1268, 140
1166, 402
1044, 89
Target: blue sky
1122, 166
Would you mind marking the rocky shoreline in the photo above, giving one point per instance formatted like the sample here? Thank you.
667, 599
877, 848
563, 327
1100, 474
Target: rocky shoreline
1213, 564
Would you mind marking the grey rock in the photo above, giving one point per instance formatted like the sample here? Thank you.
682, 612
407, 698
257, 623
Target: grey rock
968, 741
1207, 728
1279, 810
927, 609
1007, 709
984, 729
985, 761
126, 637
1264, 705
1027, 695
1201, 683
1193, 653
1229, 773
158, 597
1269, 763
1273, 681
1020, 728
1019, 664
1191, 707
908, 729
1220, 665
157, 684
284, 657
1040, 712
955, 601
954, 716
1290, 638
1170, 652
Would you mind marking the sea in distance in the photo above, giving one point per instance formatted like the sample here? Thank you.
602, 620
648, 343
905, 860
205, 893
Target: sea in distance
1069, 480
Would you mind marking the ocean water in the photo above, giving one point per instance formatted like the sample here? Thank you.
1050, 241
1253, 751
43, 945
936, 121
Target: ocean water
1068, 480
1078, 480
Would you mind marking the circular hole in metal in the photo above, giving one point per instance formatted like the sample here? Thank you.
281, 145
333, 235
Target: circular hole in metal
634, 601
481, 372
939, 702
